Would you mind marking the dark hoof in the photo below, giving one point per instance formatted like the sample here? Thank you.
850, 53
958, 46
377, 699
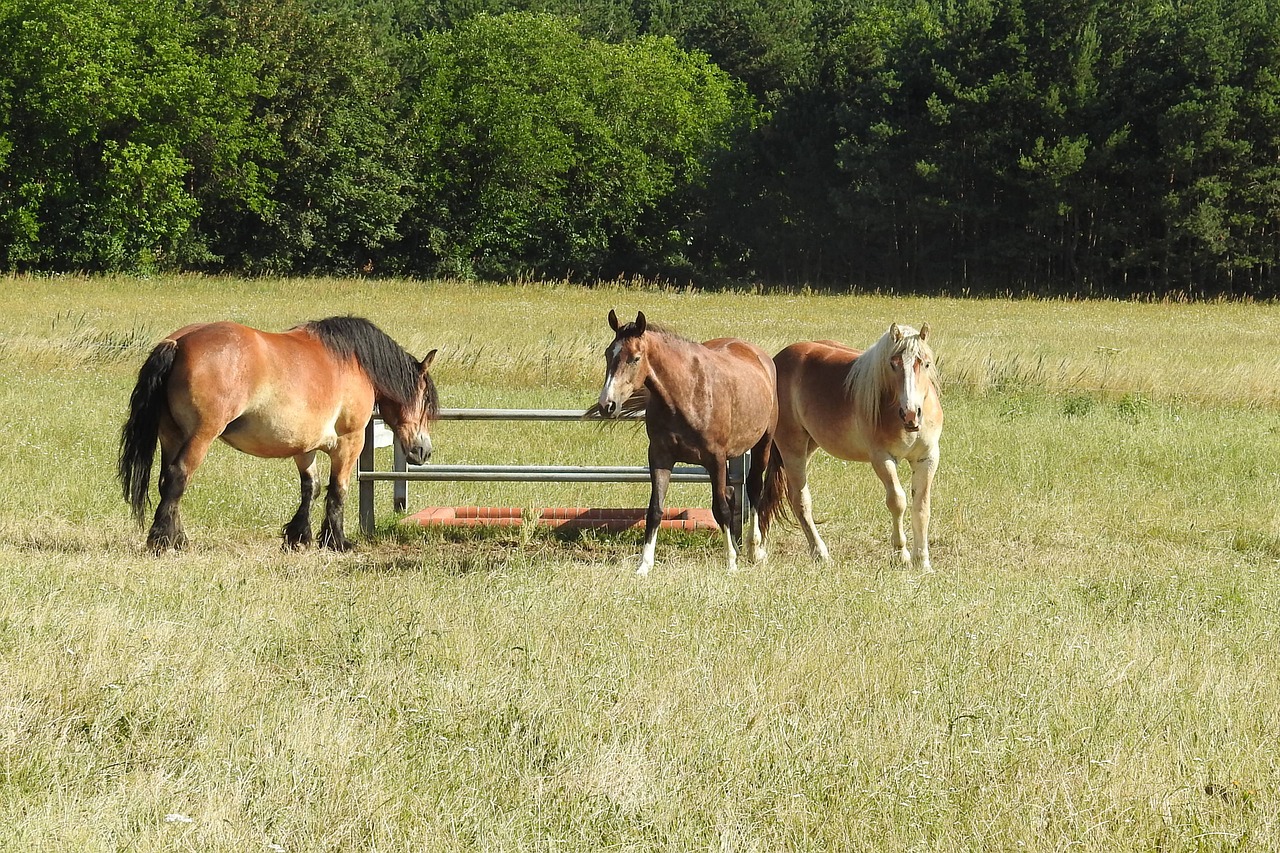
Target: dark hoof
296, 539
336, 543
159, 543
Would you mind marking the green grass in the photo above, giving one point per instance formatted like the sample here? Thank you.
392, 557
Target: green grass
1093, 665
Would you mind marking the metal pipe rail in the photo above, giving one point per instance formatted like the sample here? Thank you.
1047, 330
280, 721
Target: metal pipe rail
537, 474
402, 473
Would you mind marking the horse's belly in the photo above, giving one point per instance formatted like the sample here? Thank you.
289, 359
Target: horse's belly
269, 438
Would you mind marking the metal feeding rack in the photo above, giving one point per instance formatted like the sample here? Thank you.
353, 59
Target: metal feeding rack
401, 474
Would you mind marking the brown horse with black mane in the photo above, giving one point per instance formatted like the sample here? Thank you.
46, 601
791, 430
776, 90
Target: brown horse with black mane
705, 403
881, 406
272, 395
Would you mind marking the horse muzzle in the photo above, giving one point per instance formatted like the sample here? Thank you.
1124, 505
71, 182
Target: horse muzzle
418, 453
911, 418
609, 408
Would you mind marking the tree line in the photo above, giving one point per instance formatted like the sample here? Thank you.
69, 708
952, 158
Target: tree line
1021, 146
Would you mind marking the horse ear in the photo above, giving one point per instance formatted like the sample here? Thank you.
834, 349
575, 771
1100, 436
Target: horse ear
924, 331
640, 322
895, 333
613, 320
426, 361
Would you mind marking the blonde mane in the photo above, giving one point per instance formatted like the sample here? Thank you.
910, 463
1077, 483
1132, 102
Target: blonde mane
871, 372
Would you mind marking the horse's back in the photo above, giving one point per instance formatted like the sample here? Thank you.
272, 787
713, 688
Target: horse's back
814, 364
751, 367
212, 356
754, 359
244, 354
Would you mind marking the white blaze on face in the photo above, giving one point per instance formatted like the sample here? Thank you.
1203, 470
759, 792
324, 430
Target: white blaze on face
613, 362
910, 393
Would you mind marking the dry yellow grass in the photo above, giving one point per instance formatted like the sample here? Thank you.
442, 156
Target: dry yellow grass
1093, 666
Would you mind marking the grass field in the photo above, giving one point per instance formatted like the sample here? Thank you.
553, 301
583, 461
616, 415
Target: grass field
1093, 664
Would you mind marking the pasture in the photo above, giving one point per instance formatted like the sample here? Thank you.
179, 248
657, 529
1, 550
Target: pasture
1092, 664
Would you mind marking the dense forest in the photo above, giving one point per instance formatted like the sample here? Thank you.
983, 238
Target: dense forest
1097, 147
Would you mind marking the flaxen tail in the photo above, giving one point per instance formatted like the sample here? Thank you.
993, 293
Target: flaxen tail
141, 431
774, 496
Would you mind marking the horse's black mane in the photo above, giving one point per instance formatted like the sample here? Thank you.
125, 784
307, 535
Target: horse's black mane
393, 371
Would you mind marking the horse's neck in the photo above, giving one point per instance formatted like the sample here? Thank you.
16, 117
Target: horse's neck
668, 370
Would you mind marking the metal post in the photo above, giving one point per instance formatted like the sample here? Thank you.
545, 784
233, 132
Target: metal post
366, 486
400, 488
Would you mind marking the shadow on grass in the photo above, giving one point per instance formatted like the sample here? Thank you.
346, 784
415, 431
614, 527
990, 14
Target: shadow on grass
461, 551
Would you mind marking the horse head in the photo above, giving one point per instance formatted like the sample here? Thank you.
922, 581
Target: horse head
911, 369
626, 364
411, 420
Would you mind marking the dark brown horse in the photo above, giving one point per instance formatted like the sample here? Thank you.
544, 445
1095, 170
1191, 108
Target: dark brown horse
880, 406
705, 403
273, 395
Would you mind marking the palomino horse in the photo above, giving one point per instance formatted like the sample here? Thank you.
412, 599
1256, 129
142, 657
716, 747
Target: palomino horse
881, 406
705, 403
272, 395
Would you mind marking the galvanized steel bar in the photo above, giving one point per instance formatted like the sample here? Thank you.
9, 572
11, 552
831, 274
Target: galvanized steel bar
528, 415
536, 474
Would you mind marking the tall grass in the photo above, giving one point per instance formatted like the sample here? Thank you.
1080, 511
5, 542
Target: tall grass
1092, 666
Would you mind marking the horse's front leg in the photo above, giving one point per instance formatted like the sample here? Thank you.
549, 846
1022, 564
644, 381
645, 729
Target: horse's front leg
297, 533
895, 499
722, 509
921, 494
659, 479
342, 461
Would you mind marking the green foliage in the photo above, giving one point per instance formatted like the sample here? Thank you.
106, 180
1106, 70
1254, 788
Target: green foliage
536, 148
1016, 142
325, 184
101, 100
961, 145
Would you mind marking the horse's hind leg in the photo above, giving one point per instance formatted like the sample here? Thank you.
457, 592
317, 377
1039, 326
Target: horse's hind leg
178, 463
297, 533
801, 501
896, 500
755, 490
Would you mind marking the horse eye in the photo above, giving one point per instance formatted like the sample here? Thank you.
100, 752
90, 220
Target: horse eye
635, 359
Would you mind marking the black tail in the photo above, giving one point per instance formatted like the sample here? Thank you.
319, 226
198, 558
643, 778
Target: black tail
142, 430
774, 500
